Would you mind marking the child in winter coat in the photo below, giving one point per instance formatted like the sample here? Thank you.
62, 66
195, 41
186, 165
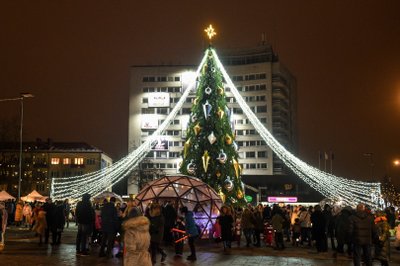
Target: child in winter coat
136, 239
180, 225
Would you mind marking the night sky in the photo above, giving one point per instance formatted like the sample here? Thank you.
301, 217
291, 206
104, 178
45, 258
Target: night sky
74, 56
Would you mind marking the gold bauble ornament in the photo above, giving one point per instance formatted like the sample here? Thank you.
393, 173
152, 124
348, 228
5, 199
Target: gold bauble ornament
197, 129
204, 69
218, 174
220, 90
228, 139
222, 196
206, 160
195, 100
186, 147
240, 194
220, 113
237, 167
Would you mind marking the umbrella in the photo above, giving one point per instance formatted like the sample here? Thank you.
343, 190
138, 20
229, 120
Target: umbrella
5, 196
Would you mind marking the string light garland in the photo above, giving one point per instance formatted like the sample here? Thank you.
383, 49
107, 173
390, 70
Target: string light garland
341, 189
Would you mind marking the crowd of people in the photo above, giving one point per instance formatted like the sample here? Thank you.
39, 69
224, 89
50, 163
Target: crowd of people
358, 233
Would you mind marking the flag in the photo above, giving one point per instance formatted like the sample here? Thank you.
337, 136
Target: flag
320, 155
326, 156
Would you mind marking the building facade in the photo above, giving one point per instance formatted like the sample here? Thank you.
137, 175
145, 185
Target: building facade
266, 85
41, 161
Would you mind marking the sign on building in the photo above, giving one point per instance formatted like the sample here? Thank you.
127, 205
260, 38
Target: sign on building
159, 99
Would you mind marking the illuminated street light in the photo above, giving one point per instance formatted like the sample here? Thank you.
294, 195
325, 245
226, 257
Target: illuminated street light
21, 99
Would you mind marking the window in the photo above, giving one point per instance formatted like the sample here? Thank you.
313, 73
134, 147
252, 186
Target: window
145, 100
262, 109
55, 160
250, 154
90, 161
262, 154
66, 161
78, 161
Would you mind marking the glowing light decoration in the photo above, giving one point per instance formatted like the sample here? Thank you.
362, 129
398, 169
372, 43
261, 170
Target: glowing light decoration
349, 191
210, 32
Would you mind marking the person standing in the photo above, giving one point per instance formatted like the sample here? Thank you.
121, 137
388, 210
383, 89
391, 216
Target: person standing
40, 224
19, 213
67, 210
170, 216
156, 232
58, 224
259, 223
27, 212
247, 225
48, 207
277, 222
319, 229
305, 222
136, 239
84, 214
110, 224
226, 222
362, 230
3, 224
342, 231
382, 243
191, 229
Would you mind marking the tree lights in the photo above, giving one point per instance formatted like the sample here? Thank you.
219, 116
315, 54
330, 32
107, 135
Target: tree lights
341, 189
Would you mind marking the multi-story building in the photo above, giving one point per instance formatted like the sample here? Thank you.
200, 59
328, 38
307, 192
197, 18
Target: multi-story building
267, 86
41, 161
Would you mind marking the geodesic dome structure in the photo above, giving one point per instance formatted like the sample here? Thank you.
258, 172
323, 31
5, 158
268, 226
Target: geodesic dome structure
187, 191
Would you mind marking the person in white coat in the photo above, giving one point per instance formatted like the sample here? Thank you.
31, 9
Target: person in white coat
3, 223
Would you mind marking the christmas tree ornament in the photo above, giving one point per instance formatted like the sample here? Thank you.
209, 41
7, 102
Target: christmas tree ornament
213, 69
218, 174
240, 194
212, 138
222, 196
193, 118
236, 166
207, 109
191, 168
197, 129
222, 157
235, 146
195, 100
220, 90
228, 184
242, 185
204, 70
228, 139
206, 160
186, 147
220, 113
208, 91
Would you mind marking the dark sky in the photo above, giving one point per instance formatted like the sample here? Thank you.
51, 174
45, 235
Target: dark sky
75, 57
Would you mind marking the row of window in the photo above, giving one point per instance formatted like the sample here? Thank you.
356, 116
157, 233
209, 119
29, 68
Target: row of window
258, 87
250, 77
255, 166
185, 111
162, 89
161, 79
65, 173
253, 154
68, 161
159, 165
251, 143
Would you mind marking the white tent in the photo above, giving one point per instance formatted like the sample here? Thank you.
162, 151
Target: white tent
34, 196
5, 196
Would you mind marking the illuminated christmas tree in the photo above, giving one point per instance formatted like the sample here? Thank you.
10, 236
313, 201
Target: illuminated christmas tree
210, 150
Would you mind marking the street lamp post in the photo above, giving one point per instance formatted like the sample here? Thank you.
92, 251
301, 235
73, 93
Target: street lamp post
371, 161
21, 99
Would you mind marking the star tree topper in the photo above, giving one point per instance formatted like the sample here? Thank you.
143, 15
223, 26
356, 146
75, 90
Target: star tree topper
210, 32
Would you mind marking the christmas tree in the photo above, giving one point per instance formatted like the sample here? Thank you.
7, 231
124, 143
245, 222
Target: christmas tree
210, 150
